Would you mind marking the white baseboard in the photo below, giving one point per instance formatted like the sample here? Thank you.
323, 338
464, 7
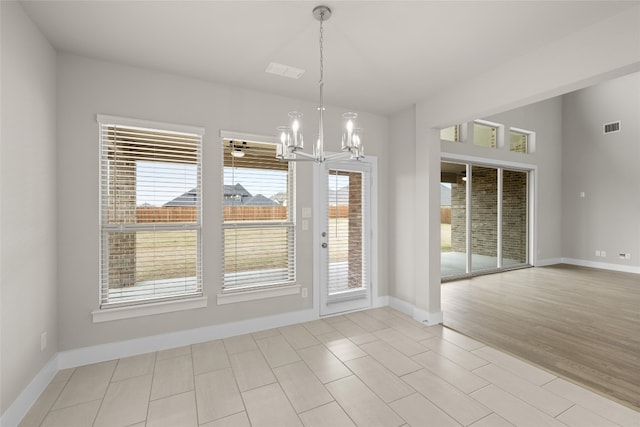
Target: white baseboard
118, 350
548, 261
602, 265
380, 301
19, 408
416, 313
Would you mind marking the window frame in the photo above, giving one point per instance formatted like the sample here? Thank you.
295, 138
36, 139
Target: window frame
144, 306
260, 290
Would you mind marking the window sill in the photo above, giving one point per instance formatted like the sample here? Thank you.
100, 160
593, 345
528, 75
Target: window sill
255, 294
118, 313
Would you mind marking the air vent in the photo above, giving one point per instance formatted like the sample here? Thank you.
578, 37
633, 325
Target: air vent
612, 127
284, 70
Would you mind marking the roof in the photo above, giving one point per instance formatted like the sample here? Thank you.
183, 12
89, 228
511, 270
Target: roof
186, 199
236, 190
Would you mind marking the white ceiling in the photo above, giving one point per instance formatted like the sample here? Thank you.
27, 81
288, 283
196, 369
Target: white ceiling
380, 56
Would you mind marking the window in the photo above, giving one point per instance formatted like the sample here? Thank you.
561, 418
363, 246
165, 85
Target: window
518, 141
258, 222
150, 211
452, 133
485, 134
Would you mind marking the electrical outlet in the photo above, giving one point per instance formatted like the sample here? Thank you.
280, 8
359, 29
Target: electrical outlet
627, 256
597, 253
603, 254
43, 341
303, 292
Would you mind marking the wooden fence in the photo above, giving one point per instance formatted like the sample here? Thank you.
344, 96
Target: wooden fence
148, 214
445, 214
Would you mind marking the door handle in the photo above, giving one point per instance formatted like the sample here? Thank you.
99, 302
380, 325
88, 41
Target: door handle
324, 245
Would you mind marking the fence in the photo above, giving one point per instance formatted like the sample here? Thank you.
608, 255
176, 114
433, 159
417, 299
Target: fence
445, 214
148, 214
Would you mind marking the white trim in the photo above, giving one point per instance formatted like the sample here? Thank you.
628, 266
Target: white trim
248, 137
25, 400
118, 313
532, 183
117, 350
547, 261
255, 294
126, 121
418, 314
602, 265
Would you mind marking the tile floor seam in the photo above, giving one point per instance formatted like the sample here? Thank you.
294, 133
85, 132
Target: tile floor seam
566, 410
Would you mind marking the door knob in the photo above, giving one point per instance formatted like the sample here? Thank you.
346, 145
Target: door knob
324, 245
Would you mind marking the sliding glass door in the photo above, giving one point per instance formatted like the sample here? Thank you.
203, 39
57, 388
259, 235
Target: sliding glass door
484, 219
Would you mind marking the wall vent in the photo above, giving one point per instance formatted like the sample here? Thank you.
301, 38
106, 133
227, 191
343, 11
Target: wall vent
612, 127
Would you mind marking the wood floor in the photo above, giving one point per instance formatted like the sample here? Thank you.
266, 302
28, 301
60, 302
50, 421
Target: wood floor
580, 323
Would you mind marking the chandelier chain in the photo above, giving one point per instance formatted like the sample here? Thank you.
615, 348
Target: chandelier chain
321, 48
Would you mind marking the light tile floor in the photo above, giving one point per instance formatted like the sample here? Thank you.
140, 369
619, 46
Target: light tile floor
372, 368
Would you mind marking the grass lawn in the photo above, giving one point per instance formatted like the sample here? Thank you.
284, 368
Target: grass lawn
445, 237
172, 254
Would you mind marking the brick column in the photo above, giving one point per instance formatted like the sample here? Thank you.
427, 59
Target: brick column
122, 210
355, 230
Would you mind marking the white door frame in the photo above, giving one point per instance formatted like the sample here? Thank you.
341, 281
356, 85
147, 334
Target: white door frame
319, 210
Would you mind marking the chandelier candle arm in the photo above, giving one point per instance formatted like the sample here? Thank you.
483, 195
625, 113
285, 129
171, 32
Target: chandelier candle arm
291, 141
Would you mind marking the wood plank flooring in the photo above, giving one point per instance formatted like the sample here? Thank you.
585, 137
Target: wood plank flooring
577, 322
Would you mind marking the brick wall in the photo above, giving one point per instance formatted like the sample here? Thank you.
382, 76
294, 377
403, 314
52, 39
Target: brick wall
484, 201
355, 229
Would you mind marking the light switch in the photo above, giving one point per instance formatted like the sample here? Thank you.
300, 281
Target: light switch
582, 195
306, 212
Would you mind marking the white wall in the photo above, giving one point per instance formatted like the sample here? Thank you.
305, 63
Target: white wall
545, 119
87, 87
28, 202
605, 168
402, 204
574, 62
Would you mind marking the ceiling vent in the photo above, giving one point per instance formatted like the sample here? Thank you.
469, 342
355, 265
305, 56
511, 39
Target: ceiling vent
284, 70
612, 127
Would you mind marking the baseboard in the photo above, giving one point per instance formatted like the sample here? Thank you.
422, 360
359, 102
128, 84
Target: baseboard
380, 301
602, 265
416, 313
19, 408
118, 350
547, 262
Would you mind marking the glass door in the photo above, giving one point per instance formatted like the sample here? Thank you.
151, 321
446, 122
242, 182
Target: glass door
345, 230
484, 219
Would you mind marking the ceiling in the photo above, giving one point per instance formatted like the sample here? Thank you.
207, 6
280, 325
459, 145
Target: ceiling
380, 56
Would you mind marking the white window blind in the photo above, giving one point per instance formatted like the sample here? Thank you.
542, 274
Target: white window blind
258, 221
347, 235
150, 211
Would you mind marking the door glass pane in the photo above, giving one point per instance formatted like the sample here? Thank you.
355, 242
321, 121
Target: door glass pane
453, 219
345, 237
514, 218
484, 218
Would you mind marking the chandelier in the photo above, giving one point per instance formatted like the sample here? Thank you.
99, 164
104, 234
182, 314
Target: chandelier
291, 142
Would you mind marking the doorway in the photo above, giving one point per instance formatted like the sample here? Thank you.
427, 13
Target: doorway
485, 219
344, 235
